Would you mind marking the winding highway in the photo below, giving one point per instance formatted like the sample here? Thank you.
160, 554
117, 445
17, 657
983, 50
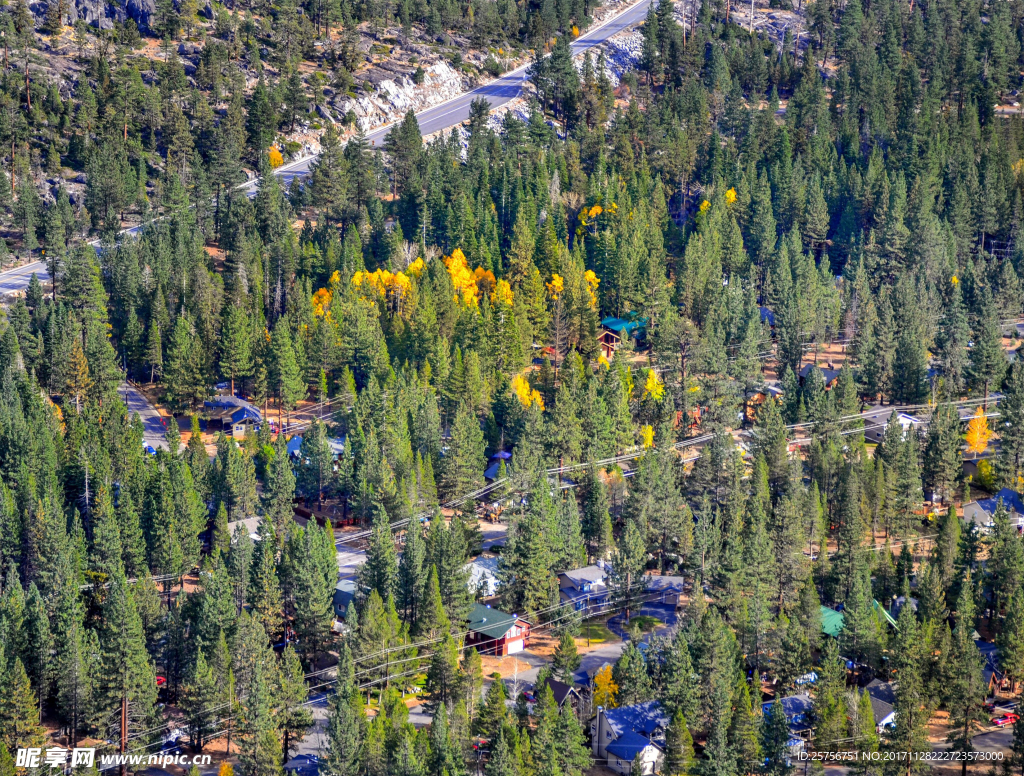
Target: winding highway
498, 92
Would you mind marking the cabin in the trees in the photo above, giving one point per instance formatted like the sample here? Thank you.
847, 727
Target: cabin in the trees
586, 588
982, 512
758, 397
832, 621
232, 413
615, 330
337, 445
619, 735
483, 576
494, 465
876, 425
565, 694
493, 632
828, 373
883, 703
344, 594
797, 709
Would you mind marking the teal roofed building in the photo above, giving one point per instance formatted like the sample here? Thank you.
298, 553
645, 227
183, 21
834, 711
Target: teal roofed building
614, 330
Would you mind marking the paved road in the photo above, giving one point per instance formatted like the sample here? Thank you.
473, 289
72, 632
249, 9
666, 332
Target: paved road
455, 111
510, 85
154, 428
17, 279
498, 92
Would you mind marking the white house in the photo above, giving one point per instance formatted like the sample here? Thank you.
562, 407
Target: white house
483, 576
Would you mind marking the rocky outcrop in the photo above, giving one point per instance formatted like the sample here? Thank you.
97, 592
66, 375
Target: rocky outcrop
103, 13
395, 93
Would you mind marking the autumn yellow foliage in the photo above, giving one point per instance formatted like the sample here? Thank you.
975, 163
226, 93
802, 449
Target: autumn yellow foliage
274, 158
647, 436
605, 688
393, 286
978, 432
322, 303
653, 388
704, 206
502, 294
469, 284
730, 196
593, 281
416, 268
556, 286
527, 396
602, 361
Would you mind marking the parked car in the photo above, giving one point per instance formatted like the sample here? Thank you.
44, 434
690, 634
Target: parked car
1006, 719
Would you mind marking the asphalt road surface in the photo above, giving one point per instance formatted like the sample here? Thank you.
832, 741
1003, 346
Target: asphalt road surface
17, 279
455, 111
153, 434
510, 85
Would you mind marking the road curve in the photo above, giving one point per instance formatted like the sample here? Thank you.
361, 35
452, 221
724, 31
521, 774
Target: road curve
456, 110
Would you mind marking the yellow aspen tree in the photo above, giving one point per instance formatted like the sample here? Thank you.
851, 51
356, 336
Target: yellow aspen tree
978, 433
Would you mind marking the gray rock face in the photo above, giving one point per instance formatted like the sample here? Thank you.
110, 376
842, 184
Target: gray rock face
103, 13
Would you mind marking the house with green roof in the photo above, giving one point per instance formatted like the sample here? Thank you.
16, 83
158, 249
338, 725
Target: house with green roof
832, 621
494, 632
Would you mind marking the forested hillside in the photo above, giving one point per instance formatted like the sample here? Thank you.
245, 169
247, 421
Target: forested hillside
748, 208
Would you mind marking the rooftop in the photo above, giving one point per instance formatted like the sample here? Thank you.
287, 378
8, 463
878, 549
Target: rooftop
1010, 498
627, 746
490, 622
646, 718
586, 574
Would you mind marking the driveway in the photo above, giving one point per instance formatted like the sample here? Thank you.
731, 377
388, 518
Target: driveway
664, 612
152, 421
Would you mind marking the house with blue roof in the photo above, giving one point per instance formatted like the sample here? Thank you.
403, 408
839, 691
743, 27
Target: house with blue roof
337, 445
494, 465
619, 735
586, 588
797, 709
344, 594
981, 512
232, 413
